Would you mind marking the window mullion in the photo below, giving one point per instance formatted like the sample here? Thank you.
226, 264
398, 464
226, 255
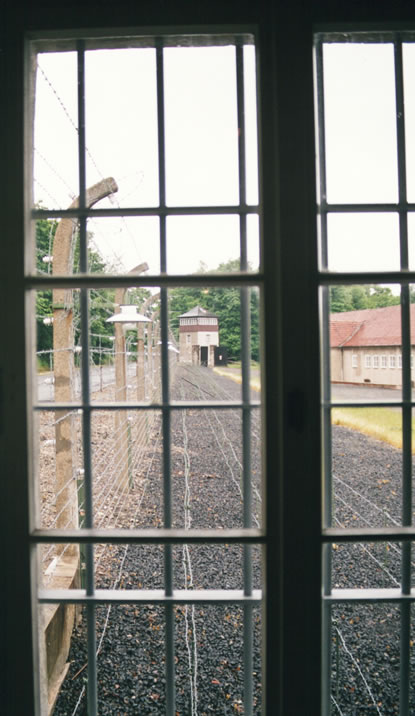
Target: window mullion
92, 694
325, 383
405, 608
165, 397
246, 411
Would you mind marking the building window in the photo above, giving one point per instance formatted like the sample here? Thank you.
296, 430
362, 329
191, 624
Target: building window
392, 361
355, 360
400, 361
376, 361
188, 338
384, 361
368, 361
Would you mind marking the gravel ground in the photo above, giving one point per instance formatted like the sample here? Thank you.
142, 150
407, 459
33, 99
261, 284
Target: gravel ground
365, 655
206, 470
206, 473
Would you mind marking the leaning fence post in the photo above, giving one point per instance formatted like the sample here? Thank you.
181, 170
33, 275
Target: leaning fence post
63, 347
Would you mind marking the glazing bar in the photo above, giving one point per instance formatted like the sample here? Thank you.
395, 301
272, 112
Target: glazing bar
359, 208
170, 671
164, 335
246, 389
405, 609
86, 417
151, 596
150, 536
325, 383
131, 405
92, 695
144, 211
352, 277
114, 281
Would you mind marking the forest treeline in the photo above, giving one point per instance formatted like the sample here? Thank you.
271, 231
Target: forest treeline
224, 302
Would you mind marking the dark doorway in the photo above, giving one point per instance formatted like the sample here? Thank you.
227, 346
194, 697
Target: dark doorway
221, 355
204, 356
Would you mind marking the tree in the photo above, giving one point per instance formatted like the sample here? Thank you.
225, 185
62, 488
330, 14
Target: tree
354, 298
101, 300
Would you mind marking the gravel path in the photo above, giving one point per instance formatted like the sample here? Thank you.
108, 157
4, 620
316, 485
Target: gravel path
206, 472
365, 657
206, 476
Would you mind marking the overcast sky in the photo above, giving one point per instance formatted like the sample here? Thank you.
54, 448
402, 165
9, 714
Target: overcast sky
121, 134
201, 149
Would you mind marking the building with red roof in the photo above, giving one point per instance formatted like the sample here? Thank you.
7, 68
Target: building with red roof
366, 346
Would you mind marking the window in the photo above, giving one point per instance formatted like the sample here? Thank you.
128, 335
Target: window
209, 81
400, 361
376, 361
368, 361
288, 279
188, 338
355, 360
380, 68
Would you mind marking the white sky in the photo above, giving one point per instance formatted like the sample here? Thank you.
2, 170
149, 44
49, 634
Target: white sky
121, 135
201, 150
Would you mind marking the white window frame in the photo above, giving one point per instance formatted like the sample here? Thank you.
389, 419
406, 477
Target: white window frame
404, 532
27, 619
355, 360
376, 361
384, 361
292, 433
368, 361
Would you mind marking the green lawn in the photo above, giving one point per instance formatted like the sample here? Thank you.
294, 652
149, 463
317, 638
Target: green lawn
381, 423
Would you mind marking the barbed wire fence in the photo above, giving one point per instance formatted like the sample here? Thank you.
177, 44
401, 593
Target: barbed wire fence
120, 449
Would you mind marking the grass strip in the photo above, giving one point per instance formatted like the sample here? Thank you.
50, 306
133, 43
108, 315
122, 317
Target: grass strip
380, 423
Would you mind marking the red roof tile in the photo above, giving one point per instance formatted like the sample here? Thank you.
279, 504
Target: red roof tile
369, 327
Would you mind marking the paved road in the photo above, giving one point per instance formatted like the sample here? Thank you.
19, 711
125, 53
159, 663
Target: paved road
100, 377
364, 392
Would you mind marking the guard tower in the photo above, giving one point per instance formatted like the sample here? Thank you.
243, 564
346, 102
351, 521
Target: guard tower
198, 337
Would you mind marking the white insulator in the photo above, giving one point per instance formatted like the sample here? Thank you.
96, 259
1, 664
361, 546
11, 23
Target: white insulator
80, 471
48, 320
77, 349
52, 566
47, 259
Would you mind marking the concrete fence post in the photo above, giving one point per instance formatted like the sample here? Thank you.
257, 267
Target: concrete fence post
63, 351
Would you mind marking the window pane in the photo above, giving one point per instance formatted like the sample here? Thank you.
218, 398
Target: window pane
408, 52
366, 565
365, 337
121, 122
56, 178
120, 244
251, 130
202, 243
363, 242
367, 467
365, 659
201, 126
360, 123
127, 479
